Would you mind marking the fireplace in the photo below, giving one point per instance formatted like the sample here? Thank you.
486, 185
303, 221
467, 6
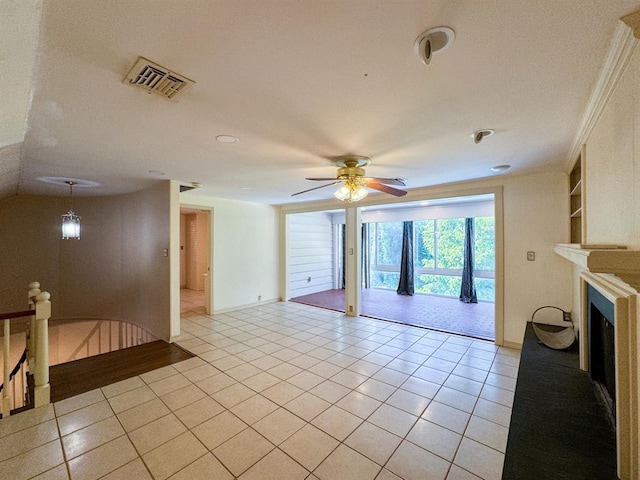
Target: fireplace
608, 351
601, 333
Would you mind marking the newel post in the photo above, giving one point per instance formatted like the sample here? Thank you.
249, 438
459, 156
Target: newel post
6, 391
43, 313
34, 291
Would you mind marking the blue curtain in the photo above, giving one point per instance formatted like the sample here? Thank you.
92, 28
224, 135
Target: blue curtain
405, 285
468, 290
364, 257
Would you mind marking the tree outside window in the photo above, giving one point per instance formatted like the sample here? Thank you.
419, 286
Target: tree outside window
438, 256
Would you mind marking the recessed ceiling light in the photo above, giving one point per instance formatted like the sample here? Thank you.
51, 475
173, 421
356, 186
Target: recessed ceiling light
432, 41
500, 168
482, 134
245, 188
227, 139
156, 172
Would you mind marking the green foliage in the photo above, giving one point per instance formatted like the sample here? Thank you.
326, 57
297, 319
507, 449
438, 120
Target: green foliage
439, 244
385, 279
450, 246
425, 248
389, 242
446, 285
485, 243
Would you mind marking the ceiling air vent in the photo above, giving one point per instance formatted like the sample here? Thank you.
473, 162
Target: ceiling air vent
154, 78
186, 188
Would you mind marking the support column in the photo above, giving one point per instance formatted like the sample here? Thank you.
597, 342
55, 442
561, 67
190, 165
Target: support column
353, 244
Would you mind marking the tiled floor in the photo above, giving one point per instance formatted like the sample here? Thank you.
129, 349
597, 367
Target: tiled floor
191, 299
284, 391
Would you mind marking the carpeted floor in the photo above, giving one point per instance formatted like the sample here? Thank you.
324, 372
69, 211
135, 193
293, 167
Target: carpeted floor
440, 313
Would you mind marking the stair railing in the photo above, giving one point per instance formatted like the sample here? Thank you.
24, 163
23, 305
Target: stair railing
37, 351
108, 336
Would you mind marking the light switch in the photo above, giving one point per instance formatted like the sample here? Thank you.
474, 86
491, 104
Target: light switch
531, 256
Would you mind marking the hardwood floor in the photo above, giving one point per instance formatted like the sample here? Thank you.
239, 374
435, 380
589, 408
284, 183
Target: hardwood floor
74, 378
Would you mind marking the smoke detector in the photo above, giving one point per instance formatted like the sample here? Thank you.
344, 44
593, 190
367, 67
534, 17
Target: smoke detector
434, 40
154, 78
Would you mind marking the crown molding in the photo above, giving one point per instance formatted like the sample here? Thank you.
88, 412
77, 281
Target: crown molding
617, 59
633, 21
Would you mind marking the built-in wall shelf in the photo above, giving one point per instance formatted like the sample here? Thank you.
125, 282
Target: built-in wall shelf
614, 259
577, 200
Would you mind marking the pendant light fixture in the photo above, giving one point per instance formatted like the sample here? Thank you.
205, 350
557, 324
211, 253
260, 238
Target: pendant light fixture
70, 221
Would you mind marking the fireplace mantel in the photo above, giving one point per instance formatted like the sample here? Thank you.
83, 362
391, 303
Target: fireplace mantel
616, 260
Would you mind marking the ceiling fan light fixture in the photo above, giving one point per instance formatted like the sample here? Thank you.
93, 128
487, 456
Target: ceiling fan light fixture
351, 191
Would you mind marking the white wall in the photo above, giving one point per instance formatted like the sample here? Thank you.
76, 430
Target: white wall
245, 251
310, 253
115, 271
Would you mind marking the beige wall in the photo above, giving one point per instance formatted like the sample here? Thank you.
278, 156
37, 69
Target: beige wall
613, 165
115, 271
245, 251
535, 218
612, 172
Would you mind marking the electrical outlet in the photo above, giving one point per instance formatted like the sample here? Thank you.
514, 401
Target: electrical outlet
531, 256
308, 279
259, 297
566, 316
351, 308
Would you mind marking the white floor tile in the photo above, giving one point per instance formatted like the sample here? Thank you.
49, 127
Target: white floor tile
307, 394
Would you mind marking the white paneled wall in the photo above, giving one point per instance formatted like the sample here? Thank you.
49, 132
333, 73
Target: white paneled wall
310, 253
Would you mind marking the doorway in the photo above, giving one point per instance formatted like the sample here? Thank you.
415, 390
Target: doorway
438, 234
195, 271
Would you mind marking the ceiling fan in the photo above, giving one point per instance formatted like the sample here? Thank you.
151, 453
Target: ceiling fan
351, 175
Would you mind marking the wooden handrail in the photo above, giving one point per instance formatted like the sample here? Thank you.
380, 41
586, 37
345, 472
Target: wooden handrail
12, 315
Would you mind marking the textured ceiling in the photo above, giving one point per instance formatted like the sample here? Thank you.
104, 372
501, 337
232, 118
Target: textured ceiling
301, 81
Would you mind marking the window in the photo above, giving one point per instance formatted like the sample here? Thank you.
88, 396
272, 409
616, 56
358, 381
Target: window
438, 256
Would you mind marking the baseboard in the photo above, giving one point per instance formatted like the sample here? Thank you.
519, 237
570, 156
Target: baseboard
248, 305
514, 345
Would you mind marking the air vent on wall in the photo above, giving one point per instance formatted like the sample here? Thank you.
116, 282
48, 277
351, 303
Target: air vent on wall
154, 78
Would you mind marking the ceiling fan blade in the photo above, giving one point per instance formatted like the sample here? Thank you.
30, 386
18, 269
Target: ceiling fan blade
316, 188
322, 179
389, 181
384, 188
